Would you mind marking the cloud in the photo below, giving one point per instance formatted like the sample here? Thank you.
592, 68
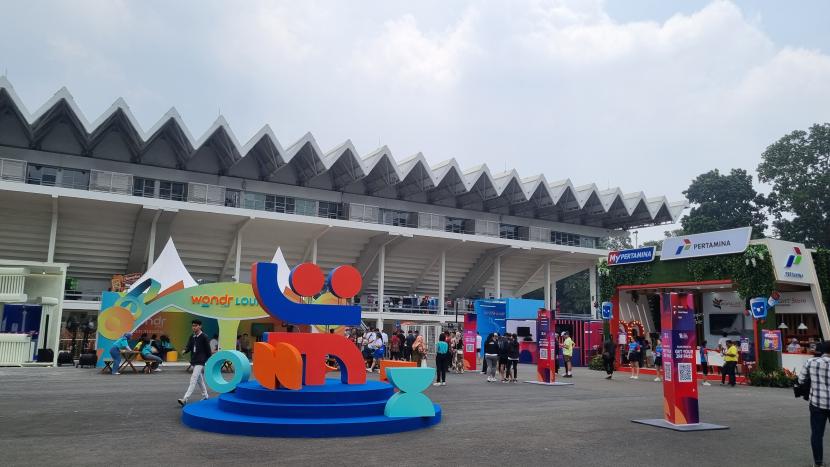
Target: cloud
402, 51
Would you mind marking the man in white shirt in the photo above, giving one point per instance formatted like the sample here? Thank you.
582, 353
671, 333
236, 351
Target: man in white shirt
478, 349
385, 339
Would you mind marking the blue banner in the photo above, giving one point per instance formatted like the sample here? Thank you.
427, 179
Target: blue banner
491, 317
636, 255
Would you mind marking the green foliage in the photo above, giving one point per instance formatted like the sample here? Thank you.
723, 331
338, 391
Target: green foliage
722, 202
573, 294
779, 378
751, 271
616, 243
821, 259
798, 166
596, 363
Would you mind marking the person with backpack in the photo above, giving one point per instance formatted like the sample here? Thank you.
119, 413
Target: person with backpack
199, 348
816, 374
491, 356
503, 360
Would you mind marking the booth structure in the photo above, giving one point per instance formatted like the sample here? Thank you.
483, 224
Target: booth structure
31, 299
722, 271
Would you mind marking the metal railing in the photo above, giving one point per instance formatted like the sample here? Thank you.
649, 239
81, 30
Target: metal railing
121, 183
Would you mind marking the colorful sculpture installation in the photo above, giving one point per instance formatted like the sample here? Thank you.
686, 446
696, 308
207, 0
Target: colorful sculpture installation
291, 396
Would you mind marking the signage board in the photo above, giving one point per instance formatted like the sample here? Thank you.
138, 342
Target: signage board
771, 339
607, 310
791, 262
635, 255
722, 242
679, 339
758, 307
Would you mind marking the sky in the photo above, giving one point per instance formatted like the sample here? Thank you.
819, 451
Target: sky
640, 94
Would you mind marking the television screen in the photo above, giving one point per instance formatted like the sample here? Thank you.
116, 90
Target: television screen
523, 331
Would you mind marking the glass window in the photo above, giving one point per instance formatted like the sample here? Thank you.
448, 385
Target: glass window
305, 207
398, 218
330, 210
458, 225
232, 198
254, 201
564, 238
42, 175
74, 178
509, 231
175, 191
144, 187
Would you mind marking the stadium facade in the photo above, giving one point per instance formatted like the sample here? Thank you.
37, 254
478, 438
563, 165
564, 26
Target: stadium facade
93, 200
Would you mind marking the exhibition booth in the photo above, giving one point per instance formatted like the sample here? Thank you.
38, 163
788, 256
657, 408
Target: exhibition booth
725, 276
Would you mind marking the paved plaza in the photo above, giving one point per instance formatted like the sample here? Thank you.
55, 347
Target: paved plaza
68, 416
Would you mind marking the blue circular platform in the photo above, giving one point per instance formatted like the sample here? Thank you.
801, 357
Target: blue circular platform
330, 410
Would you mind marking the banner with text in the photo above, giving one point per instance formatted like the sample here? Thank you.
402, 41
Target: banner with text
722, 242
635, 255
545, 359
677, 319
470, 341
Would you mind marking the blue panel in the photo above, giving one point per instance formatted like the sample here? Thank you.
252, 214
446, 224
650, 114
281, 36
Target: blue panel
520, 308
332, 392
405, 404
231, 403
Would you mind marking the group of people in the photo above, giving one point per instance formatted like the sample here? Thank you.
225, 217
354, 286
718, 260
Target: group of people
151, 348
501, 353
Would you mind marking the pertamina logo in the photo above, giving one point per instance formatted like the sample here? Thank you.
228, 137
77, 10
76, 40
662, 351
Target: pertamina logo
794, 260
684, 247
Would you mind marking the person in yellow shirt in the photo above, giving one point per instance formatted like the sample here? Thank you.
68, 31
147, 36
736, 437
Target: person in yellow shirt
567, 353
730, 361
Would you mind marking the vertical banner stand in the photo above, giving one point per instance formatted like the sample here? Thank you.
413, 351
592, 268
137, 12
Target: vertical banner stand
470, 354
680, 389
545, 355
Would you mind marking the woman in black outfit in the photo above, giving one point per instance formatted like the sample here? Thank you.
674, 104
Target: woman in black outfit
513, 357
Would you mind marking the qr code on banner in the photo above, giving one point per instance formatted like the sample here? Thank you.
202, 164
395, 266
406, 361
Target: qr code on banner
684, 372
543, 354
667, 371
470, 348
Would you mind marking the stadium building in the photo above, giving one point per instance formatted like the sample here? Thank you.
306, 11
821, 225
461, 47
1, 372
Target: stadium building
89, 201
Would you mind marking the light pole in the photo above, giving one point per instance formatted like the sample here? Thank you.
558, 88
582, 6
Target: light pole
636, 243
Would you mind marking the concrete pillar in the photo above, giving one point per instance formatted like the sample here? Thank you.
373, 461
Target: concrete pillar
314, 250
592, 286
381, 268
442, 282
238, 254
53, 234
151, 251
547, 285
553, 295
497, 272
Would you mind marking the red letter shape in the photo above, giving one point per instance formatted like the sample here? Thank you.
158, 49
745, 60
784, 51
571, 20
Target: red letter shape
277, 365
315, 347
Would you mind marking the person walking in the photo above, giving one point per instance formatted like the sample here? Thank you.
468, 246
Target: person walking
122, 343
704, 364
478, 353
730, 362
634, 351
609, 350
419, 349
491, 356
199, 348
658, 360
568, 353
459, 354
395, 346
513, 358
816, 372
442, 354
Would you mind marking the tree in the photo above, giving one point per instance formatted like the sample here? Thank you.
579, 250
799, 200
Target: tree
724, 202
798, 166
573, 294
622, 242
666, 234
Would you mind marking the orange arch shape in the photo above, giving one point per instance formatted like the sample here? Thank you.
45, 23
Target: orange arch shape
278, 365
